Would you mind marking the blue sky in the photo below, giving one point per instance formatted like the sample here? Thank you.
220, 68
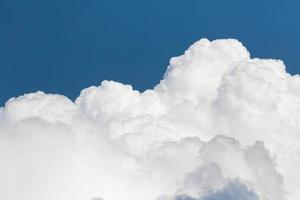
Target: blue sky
63, 46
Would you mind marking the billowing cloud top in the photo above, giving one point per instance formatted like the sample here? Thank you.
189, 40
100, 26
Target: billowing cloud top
219, 126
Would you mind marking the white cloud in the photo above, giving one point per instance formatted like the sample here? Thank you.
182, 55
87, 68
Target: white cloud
218, 124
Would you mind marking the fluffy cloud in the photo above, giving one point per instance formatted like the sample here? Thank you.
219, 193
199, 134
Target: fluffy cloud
233, 191
220, 125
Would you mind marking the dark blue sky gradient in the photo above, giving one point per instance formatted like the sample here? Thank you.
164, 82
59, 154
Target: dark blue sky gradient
63, 46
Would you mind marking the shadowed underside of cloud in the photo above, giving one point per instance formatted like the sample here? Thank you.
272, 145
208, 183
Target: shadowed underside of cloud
220, 125
233, 191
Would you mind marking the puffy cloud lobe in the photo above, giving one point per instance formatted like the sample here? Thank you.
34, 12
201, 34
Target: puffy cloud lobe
196, 74
48, 107
221, 162
219, 125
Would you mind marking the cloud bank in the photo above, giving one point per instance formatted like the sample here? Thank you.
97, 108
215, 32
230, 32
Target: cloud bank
219, 126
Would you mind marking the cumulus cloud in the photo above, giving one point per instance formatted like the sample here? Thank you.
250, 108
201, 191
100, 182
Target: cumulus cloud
233, 191
220, 125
